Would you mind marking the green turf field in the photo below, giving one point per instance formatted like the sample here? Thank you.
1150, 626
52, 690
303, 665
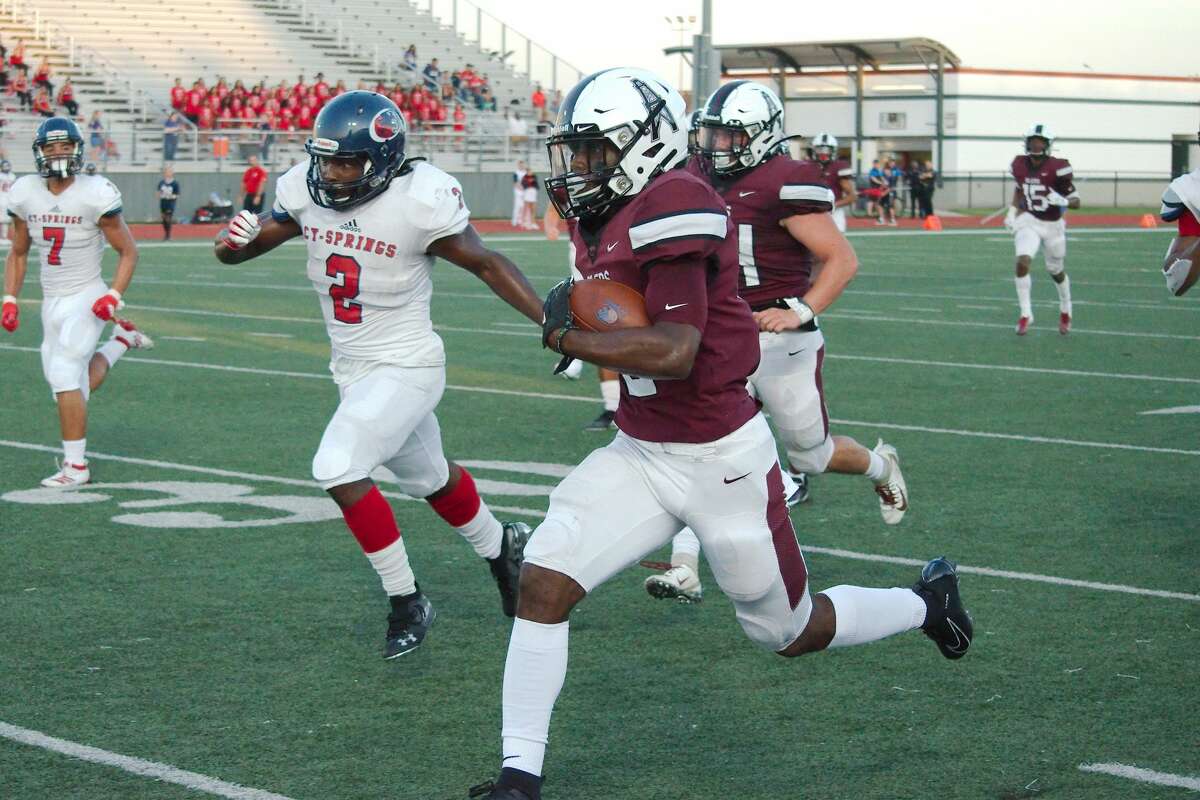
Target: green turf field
167, 619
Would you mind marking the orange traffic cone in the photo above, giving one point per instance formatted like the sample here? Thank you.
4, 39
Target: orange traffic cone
932, 223
1149, 221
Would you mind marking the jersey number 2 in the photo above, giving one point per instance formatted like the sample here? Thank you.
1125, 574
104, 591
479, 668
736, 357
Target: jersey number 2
56, 237
343, 294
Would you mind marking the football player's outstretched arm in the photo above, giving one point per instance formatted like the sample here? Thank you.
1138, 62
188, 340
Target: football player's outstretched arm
839, 264
465, 249
117, 233
249, 236
14, 274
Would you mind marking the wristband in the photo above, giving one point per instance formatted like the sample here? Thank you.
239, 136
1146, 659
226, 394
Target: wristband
803, 309
115, 294
10, 298
558, 339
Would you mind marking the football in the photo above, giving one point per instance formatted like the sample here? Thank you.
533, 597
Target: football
1190, 279
603, 305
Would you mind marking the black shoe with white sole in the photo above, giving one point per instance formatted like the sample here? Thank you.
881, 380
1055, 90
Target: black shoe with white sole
506, 567
412, 616
946, 621
800, 495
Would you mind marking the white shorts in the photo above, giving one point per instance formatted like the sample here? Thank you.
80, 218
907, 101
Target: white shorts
1030, 233
70, 332
839, 218
386, 418
788, 382
629, 498
530, 195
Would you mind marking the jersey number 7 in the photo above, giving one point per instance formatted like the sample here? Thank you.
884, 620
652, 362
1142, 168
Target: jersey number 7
343, 294
56, 237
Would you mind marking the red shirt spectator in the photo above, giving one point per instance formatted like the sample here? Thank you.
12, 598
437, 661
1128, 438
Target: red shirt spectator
538, 98
300, 88
257, 103
18, 54
287, 119
253, 179
248, 115
225, 117
460, 118
322, 90
399, 97
214, 102
304, 117
41, 104
221, 90
178, 97
281, 92
205, 118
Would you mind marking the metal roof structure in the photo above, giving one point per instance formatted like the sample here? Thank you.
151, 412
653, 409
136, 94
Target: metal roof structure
815, 56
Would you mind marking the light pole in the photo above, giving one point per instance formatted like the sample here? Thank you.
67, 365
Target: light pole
681, 25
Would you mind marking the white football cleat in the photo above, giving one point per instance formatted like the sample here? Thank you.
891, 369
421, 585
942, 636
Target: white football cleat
128, 334
69, 477
893, 492
679, 583
573, 371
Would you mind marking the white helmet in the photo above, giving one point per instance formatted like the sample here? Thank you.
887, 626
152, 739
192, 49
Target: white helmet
1042, 132
824, 144
616, 131
741, 123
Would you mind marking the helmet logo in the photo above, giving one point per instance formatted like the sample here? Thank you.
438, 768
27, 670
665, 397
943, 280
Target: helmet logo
656, 109
385, 126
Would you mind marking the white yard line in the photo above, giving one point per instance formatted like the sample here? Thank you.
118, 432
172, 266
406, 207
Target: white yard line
137, 766
838, 553
1144, 775
960, 324
271, 335
583, 399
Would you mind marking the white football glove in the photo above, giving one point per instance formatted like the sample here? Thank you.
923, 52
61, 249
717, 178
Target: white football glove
1056, 199
1010, 219
242, 230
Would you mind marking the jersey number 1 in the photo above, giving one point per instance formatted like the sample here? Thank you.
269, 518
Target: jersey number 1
56, 237
343, 294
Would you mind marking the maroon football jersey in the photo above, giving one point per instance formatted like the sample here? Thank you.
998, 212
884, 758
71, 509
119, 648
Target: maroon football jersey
674, 243
772, 264
1035, 181
833, 173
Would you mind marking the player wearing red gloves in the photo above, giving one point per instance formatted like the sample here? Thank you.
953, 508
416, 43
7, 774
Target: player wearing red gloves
70, 216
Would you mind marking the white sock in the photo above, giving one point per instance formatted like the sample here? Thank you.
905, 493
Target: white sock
611, 392
877, 467
1064, 295
112, 350
867, 615
392, 565
484, 532
1023, 286
685, 550
73, 452
533, 676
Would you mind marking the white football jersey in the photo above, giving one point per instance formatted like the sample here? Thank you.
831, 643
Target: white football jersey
7, 179
370, 267
65, 228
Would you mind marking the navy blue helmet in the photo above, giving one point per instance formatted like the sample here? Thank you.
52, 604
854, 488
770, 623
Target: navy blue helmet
58, 129
358, 125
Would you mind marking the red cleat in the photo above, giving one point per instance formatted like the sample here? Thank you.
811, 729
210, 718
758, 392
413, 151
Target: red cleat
1064, 323
1023, 325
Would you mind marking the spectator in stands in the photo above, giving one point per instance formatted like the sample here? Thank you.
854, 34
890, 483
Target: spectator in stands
96, 136
42, 104
518, 193
299, 89
321, 90
253, 181
556, 104
265, 138
529, 193
178, 95
487, 101
928, 184
460, 122
538, 101
41, 76
433, 75
66, 97
447, 91
193, 103
20, 87
410, 58
518, 131
17, 59
171, 128
339, 89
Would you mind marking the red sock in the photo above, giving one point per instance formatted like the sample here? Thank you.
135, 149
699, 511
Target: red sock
372, 522
461, 505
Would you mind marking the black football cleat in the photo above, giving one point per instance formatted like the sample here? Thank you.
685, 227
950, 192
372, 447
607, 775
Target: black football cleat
946, 621
607, 421
801, 494
490, 791
506, 567
411, 618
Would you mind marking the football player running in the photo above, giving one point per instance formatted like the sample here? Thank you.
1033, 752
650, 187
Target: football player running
781, 212
1045, 187
692, 447
1181, 205
373, 222
70, 216
836, 174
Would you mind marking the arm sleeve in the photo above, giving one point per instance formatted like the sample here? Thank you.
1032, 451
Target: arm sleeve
107, 200
677, 291
447, 213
